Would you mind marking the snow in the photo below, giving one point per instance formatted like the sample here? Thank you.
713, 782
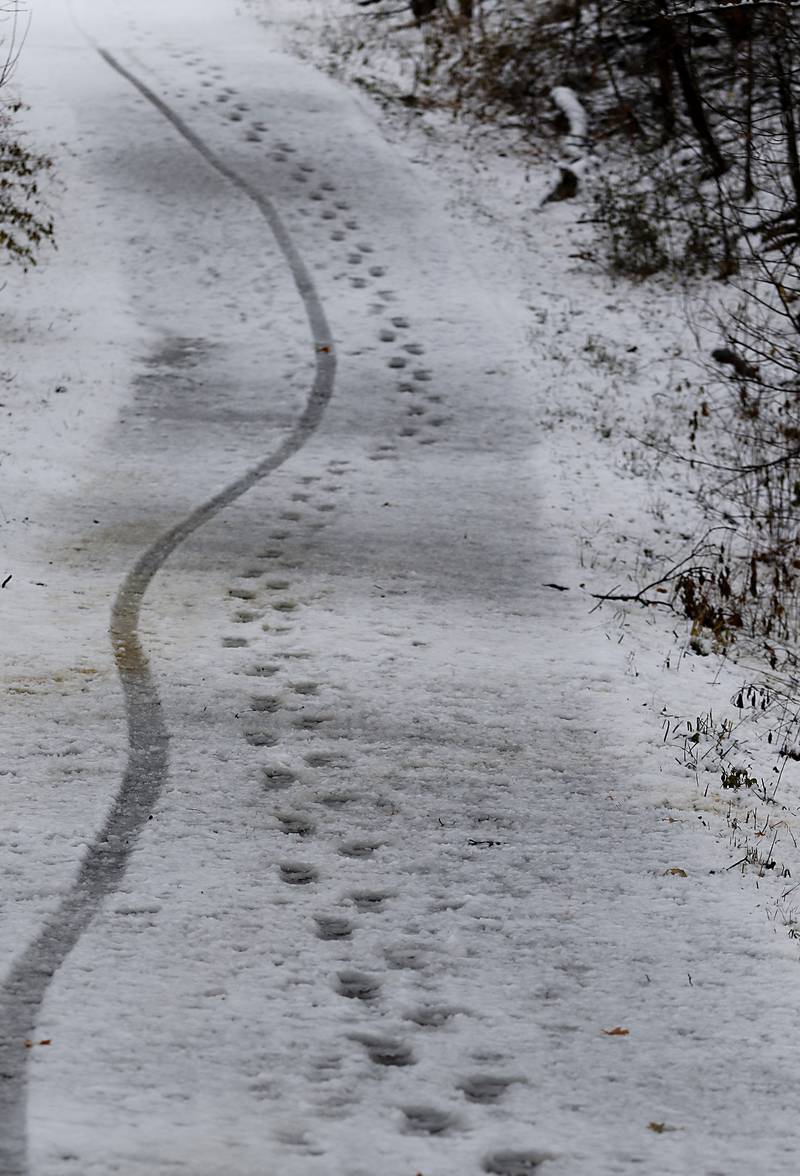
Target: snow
414, 860
568, 102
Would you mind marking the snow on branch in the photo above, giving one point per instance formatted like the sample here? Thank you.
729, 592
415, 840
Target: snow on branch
569, 104
564, 184
688, 8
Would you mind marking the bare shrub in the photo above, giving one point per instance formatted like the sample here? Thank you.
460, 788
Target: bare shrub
24, 226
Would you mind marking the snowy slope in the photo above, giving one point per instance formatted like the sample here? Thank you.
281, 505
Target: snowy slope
410, 864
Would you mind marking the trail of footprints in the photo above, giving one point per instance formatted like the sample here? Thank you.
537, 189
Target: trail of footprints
288, 709
422, 408
281, 696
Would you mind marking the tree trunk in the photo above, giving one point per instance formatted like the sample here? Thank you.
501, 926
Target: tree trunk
789, 124
696, 110
749, 186
423, 8
671, 47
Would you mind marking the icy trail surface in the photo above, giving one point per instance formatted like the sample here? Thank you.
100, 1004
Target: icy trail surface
341, 855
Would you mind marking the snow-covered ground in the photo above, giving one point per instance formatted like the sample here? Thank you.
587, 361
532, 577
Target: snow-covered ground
418, 891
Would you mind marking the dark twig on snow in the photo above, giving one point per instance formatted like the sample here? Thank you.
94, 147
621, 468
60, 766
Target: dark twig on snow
675, 572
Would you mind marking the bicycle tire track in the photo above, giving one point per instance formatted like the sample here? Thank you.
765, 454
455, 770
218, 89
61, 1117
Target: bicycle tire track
105, 861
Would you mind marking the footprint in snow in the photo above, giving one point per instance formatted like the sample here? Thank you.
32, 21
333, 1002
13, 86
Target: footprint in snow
277, 779
484, 1088
514, 1163
262, 671
358, 849
331, 927
298, 873
369, 901
387, 1051
405, 957
296, 823
428, 1120
432, 1016
324, 759
261, 738
311, 722
358, 985
337, 800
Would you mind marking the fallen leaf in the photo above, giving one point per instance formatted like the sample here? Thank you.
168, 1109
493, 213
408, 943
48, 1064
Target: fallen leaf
617, 1032
676, 872
659, 1128
323, 347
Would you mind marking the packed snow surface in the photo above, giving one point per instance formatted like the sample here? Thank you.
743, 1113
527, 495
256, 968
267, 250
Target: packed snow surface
355, 852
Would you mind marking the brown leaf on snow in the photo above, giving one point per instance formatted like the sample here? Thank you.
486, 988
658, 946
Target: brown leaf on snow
618, 1032
676, 872
659, 1128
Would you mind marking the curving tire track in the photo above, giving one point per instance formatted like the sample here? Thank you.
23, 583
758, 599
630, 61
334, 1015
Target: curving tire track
105, 862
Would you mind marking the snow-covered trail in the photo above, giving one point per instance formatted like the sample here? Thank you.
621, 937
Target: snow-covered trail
406, 869
105, 859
